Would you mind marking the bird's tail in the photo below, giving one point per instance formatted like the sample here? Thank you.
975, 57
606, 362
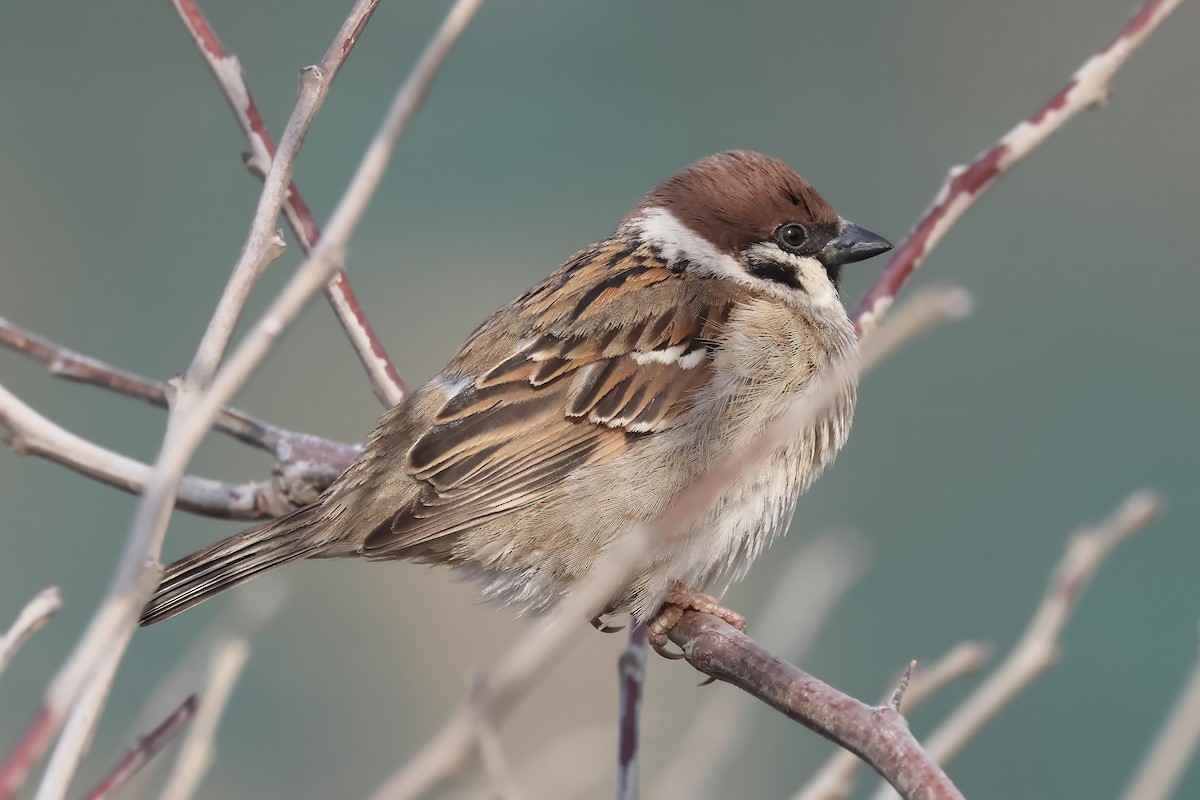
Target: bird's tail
195, 578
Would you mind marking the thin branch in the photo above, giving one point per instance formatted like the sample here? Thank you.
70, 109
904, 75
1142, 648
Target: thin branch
528, 658
198, 751
1088, 87
1039, 647
804, 596
36, 613
65, 363
83, 682
304, 464
29, 433
1173, 748
631, 675
500, 784
227, 69
145, 749
835, 780
878, 734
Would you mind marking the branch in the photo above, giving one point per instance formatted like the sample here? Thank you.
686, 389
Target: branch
36, 613
227, 69
198, 750
631, 675
835, 780
1173, 748
820, 573
528, 658
877, 734
70, 365
1088, 87
1039, 646
145, 749
82, 684
304, 464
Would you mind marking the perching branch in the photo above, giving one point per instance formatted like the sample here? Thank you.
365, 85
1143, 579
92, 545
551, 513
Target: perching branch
835, 780
804, 595
1088, 87
877, 734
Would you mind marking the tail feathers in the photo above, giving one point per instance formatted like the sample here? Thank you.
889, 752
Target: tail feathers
195, 578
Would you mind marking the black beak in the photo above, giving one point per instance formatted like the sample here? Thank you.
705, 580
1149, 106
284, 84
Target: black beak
853, 243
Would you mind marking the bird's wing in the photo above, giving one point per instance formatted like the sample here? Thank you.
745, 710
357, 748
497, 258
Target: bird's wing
609, 355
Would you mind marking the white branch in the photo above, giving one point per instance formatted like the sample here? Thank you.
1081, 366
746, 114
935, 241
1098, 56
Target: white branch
36, 613
1173, 749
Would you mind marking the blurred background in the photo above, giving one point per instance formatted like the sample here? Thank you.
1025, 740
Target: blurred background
123, 205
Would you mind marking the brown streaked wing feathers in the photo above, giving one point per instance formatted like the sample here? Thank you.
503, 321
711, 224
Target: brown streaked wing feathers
573, 394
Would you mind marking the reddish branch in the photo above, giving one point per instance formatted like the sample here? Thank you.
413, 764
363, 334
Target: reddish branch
1088, 87
227, 69
877, 734
145, 749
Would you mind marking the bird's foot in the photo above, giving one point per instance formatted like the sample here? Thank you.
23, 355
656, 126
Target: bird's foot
681, 598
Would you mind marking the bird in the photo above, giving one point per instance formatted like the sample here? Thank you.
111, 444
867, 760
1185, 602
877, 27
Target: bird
586, 405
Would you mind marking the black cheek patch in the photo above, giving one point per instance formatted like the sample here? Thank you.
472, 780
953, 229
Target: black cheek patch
776, 272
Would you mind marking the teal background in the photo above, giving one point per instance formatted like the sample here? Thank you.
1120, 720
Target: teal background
123, 205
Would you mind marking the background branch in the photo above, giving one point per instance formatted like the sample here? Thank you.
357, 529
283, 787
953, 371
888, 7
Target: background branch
36, 613
83, 682
145, 749
1088, 87
227, 69
1172, 749
1039, 647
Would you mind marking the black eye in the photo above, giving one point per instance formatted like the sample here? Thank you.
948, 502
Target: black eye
791, 236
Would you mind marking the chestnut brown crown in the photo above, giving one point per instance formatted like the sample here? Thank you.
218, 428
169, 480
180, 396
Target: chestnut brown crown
740, 197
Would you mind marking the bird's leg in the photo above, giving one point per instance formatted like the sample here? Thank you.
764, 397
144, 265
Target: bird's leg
681, 598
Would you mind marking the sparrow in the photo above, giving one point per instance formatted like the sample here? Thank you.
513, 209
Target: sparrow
583, 407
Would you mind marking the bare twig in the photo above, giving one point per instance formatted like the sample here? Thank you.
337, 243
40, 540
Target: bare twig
1173, 748
29, 433
82, 684
835, 780
1088, 87
631, 675
528, 657
878, 734
145, 749
500, 784
36, 613
1039, 647
65, 363
803, 597
304, 464
198, 751
227, 69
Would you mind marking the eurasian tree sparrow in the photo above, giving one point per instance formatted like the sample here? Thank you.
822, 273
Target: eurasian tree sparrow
587, 404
